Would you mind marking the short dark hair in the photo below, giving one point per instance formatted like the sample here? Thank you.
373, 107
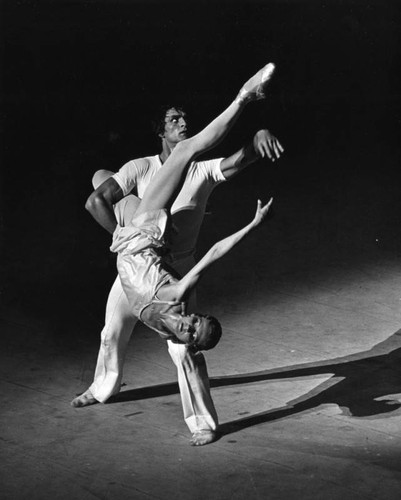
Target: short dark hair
159, 118
214, 333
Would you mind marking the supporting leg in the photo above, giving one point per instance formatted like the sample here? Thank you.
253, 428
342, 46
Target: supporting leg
115, 335
119, 323
197, 404
198, 407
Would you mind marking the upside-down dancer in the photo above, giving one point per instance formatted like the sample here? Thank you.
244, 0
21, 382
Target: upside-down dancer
154, 295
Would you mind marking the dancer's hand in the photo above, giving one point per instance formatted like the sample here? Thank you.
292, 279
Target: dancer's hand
261, 212
266, 144
218, 250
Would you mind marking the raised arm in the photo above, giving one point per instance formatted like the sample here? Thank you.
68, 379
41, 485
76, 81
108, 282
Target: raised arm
100, 204
263, 144
218, 250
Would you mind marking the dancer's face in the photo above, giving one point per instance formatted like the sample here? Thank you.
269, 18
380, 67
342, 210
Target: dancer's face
175, 129
191, 329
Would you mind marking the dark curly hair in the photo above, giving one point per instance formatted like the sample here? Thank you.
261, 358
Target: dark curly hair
159, 118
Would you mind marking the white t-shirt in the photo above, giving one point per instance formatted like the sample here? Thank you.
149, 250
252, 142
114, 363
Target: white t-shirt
189, 207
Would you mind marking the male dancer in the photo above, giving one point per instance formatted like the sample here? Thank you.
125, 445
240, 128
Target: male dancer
188, 210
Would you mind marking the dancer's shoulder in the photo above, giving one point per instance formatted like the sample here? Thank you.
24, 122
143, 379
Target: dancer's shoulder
207, 169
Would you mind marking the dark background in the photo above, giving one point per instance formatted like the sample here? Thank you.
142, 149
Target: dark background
81, 79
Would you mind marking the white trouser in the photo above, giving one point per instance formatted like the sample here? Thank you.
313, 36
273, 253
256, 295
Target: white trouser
193, 380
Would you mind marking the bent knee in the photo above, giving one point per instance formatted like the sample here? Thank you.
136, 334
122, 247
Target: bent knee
100, 176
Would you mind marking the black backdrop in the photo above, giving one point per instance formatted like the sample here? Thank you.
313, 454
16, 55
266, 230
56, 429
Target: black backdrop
80, 80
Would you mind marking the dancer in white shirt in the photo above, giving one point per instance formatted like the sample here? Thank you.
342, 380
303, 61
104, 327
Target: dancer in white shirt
199, 181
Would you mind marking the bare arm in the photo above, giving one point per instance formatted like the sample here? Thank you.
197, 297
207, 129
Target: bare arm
221, 248
100, 204
263, 144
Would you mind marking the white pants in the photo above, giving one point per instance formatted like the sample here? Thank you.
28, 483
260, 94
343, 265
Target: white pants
193, 380
198, 407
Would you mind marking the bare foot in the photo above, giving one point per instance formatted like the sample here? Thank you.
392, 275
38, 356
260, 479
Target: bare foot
253, 90
85, 399
202, 437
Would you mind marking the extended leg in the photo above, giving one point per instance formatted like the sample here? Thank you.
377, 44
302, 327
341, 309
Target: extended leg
160, 193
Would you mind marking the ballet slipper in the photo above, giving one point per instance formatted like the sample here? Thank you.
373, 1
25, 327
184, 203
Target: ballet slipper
254, 88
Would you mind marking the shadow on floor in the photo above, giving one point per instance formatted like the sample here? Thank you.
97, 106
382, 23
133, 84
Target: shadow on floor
361, 385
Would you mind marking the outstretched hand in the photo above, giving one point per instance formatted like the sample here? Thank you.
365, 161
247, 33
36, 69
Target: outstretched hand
261, 212
266, 144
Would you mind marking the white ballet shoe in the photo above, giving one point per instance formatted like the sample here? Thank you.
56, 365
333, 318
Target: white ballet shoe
254, 88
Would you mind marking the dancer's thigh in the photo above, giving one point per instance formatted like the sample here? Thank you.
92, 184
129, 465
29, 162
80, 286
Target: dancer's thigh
118, 311
125, 209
